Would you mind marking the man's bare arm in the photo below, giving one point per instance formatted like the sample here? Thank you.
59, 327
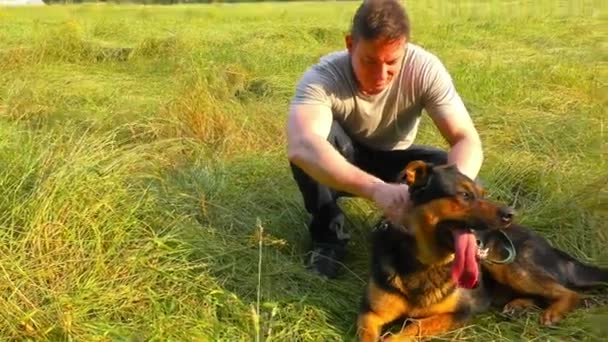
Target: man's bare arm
453, 121
308, 127
466, 148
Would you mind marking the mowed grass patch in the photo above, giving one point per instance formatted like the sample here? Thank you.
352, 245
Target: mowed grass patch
146, 191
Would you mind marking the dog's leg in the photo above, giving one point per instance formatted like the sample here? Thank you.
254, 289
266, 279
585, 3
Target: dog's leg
380, 308
370, 326
428, 327
564, 302
534, 282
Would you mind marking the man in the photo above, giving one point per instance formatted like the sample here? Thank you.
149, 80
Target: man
354, 118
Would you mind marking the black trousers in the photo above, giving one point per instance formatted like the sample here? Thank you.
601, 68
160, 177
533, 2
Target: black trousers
327, 223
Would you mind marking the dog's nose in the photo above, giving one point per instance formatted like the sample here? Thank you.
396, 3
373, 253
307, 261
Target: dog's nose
506, 214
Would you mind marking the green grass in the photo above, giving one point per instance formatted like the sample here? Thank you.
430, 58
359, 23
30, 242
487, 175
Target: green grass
143, 170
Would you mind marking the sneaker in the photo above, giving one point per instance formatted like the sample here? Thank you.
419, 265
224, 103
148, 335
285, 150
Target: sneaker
325, 259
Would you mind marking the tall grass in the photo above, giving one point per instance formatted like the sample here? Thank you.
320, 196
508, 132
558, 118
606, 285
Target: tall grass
146, 193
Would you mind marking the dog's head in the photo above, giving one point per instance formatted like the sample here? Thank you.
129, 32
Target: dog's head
448, 207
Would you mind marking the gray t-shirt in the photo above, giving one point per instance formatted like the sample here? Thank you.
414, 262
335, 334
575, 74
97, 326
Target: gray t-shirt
388, 120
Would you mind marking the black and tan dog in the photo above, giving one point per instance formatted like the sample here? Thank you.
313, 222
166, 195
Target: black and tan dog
432, 267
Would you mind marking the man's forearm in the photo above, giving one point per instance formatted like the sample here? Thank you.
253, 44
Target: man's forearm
325, 164
467, 154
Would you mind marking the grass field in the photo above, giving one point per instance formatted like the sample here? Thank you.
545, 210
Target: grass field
145, 191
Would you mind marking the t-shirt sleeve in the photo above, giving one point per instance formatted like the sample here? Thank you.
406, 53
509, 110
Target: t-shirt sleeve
314, 87
441, 97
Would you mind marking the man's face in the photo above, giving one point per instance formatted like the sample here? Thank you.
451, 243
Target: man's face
375, 62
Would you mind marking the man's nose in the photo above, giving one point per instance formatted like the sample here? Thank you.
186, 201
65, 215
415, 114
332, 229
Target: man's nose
382, 72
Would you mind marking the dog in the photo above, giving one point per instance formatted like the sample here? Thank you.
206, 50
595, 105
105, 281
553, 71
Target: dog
457, 254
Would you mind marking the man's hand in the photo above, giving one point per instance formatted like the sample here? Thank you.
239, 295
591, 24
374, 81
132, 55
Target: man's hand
392, 199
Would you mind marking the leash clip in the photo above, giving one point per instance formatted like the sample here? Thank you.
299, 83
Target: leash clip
509, 247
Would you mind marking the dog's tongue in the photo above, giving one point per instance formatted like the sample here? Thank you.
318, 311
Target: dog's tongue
464, 268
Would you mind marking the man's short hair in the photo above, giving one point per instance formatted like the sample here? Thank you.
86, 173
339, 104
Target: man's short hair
380, 19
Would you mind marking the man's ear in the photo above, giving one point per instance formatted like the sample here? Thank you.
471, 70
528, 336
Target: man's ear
348, 41
416, 173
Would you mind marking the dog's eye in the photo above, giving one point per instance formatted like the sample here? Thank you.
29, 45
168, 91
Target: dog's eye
465, 195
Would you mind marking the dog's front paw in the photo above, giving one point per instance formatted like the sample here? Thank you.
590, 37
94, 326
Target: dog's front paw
551, 317
518, 307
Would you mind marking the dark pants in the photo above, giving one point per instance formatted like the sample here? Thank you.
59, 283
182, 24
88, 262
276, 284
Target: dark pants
327, 224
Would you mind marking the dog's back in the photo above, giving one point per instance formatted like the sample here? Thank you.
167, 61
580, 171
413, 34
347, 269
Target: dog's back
540, 275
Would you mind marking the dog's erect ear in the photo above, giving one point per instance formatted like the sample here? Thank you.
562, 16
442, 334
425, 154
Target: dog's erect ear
416, 173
